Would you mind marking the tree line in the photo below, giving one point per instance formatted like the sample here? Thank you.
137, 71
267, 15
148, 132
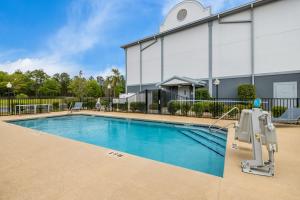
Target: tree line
37, 83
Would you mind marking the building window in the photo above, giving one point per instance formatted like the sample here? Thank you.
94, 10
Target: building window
181, 15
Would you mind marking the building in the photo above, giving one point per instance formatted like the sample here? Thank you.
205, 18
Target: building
257, 43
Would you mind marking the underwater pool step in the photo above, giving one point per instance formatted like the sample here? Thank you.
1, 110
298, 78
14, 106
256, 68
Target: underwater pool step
215, 140
220, 135
217, 149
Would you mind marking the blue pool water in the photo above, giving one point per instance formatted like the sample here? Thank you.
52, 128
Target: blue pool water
191, 147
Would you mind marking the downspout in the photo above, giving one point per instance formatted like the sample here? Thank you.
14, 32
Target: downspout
252, 46
210, 58
162, 59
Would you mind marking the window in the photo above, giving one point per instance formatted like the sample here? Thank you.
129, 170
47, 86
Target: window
181, 15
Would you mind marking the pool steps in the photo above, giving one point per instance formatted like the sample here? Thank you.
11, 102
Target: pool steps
205, 141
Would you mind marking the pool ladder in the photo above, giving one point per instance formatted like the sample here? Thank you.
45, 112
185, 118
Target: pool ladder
222, 117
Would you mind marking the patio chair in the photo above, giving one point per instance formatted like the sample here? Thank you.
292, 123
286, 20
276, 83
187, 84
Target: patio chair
291, 116
77, 106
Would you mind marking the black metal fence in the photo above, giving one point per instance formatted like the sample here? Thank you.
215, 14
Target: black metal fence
149, 101
169, 103
33, 105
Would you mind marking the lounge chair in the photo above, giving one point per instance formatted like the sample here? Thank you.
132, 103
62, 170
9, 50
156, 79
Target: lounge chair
77, 106
291, 115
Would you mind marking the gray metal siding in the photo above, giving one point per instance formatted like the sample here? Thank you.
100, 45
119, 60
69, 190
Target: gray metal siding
264, 84
228, 87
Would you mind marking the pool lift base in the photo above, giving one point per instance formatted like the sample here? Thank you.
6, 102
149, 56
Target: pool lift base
255, 127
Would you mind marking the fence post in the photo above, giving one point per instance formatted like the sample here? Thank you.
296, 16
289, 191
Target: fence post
159, 101
146, 101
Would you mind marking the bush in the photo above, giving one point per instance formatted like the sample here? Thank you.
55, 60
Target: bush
137, 106
199, 108
154, 106
277, 111
246, 91
216, 109
55, 105
89, 104
202, 93
234, 112
185, 108
121, 106
22, 96
173, 107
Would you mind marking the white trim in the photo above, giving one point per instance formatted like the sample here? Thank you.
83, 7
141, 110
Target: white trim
183, 2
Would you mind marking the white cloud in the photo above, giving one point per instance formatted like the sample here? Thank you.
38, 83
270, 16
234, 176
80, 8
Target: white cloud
85, 27
50, 65
107, 71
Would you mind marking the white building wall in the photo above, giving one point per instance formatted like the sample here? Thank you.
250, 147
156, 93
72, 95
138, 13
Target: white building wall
232, 46
151, 66
276, 47
133, 65
277, 37
186, 53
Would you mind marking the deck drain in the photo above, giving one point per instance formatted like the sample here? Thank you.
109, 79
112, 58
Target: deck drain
115, 154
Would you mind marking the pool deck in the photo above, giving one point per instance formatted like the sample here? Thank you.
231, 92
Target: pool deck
38, 166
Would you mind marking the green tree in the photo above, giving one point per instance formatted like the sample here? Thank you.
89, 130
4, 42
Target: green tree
50, 87
38, 76
22, 83
4, 78
64, 81
93, 89
117, 82
78, 86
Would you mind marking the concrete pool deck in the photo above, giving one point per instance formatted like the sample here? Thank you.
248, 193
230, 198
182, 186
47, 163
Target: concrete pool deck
43, 166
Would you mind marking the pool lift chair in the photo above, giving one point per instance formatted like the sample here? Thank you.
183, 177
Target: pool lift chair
255, 127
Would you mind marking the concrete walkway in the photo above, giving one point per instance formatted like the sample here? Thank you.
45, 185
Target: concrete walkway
37, 166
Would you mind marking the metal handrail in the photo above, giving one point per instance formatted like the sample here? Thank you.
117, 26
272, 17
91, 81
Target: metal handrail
224, 115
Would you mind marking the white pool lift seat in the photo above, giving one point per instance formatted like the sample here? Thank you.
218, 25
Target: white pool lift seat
255, 127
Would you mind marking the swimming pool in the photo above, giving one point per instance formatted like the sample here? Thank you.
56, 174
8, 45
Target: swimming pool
191, 147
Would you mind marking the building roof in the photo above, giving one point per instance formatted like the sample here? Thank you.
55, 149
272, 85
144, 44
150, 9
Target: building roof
202, 21
176, 80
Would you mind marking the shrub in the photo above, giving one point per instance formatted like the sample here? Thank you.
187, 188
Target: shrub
89, 104
137, 106
22, 96
154, 106
246, 91
173, 107
199, 109
104, 102
277, 111
55, 105
216, 109
185, 107
202, 93
121, 106
234, 112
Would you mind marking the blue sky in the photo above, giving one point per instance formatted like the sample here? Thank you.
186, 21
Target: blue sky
73, 35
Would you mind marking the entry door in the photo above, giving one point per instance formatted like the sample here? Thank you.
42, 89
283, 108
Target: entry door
184, 91
285, 90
